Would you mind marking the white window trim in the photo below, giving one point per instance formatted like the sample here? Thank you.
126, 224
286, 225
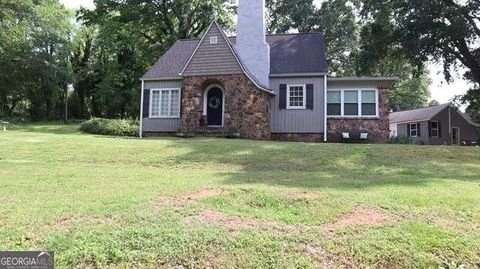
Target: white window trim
169, 103
416, 129
359, 115
304, 86
213, 40
437, 129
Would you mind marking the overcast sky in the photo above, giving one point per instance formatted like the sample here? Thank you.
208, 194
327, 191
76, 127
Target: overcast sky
441, 91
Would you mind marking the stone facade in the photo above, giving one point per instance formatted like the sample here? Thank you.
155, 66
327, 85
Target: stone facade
246, 107
378, 128
304, 137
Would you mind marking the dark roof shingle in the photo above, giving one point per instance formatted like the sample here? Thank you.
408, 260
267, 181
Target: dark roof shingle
289, 54
417, 114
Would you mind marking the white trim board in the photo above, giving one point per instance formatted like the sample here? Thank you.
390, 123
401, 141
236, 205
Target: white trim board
140, 128
304, 101
325, 124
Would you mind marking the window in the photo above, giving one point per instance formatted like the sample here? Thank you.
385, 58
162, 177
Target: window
334, 106
369, 103
296, 97
350, 106
413, 129
165, 103
352, 103
434, 128
213, 40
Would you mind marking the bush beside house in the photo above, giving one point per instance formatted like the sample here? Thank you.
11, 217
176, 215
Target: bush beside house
110, 127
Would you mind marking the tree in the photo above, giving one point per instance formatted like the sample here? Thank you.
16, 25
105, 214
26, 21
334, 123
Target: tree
472, 98
50, 56
15, 46
129, 36
34, 69
352, 48
444, 31
335, 18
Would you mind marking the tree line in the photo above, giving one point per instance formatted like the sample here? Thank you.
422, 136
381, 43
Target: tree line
102, 53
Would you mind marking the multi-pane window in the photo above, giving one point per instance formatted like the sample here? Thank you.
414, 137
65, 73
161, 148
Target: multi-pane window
165, 103
352, 103
369, 103
434, 128
334, 103
296, 97
350, 106
413, 129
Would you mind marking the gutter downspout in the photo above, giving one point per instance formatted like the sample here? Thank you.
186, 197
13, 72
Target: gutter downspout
450, 125
325, 108
140, 128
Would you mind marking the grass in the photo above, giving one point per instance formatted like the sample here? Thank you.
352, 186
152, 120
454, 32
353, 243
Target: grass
114, 203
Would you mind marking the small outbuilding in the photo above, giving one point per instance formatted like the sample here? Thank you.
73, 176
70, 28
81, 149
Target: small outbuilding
437, 125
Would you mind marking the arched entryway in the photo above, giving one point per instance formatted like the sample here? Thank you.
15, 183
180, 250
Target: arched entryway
213, 105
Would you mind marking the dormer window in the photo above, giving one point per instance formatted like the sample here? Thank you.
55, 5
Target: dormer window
213, 40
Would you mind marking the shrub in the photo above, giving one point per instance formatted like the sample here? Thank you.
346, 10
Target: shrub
403, 139
110, 127
232, 132
181, 132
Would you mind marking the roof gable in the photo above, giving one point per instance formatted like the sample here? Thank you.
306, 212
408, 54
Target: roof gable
212, 59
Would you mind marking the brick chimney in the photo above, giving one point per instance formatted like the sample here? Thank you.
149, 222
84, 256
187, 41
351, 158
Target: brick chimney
251, 43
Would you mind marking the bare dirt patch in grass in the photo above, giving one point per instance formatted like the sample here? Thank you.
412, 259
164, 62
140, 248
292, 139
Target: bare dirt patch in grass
360, 217
325, 259
236, 223
202, 193
300, 194
180, 201
71, 220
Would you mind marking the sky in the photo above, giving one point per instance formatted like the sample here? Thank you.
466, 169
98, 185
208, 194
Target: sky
440, 90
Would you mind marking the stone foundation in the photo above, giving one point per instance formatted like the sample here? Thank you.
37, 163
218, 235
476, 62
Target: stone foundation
378, 129
246, 108
294, 137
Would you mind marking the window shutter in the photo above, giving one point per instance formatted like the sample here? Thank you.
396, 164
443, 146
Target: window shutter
418, 130
283, 96
309, 96
429, 129
439, 129
146, 103
408, 129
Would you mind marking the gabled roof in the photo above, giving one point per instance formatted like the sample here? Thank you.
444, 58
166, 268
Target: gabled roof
423, 114
289, 54
234, 53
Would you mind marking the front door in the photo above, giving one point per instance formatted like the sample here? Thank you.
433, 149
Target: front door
215, 107
456, 136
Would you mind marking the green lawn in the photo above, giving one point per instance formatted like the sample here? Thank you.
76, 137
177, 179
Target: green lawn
166, 202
